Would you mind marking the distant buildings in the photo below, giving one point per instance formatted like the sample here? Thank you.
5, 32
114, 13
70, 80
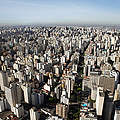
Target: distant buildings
46, 70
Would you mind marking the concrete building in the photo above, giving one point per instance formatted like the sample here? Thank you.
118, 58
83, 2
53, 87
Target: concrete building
27, 93
61, 110
3, 104
37, 98
86, 84
100, 101
64, 99
68, 87
3, 80
58, 90
108, 106
34, 114
107, 82
94, 78
18, 110
13, 94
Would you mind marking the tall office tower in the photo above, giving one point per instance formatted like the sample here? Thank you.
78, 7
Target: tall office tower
68, 86
94, 78
34, 114
61, 110
18, 110
100, 101
37, 98
3, 80
40, 98
34, 98
13, 94
27, 93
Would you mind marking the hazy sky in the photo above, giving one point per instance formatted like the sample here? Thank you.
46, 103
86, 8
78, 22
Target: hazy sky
60, 11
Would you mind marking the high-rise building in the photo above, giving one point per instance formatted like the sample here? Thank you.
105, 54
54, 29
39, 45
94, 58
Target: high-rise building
108, 106
61, 110
3, 104
3, 80
37, 98
13, 94
94, 78
34, 114
27, 93
68, 86
18, 110
100, 101
107, 82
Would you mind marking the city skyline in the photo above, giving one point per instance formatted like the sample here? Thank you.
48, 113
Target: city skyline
60, 12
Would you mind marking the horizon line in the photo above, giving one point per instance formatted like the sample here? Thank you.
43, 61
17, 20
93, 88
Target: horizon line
60, 24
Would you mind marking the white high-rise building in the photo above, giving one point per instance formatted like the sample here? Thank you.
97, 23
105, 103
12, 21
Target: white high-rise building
100, 101
34, 114
13, 94
27, 93
63, 59
68, 86
18, 110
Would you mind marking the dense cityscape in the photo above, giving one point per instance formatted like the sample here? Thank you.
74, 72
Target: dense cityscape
59, 73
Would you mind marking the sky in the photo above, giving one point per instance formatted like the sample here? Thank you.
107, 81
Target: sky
59, 12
